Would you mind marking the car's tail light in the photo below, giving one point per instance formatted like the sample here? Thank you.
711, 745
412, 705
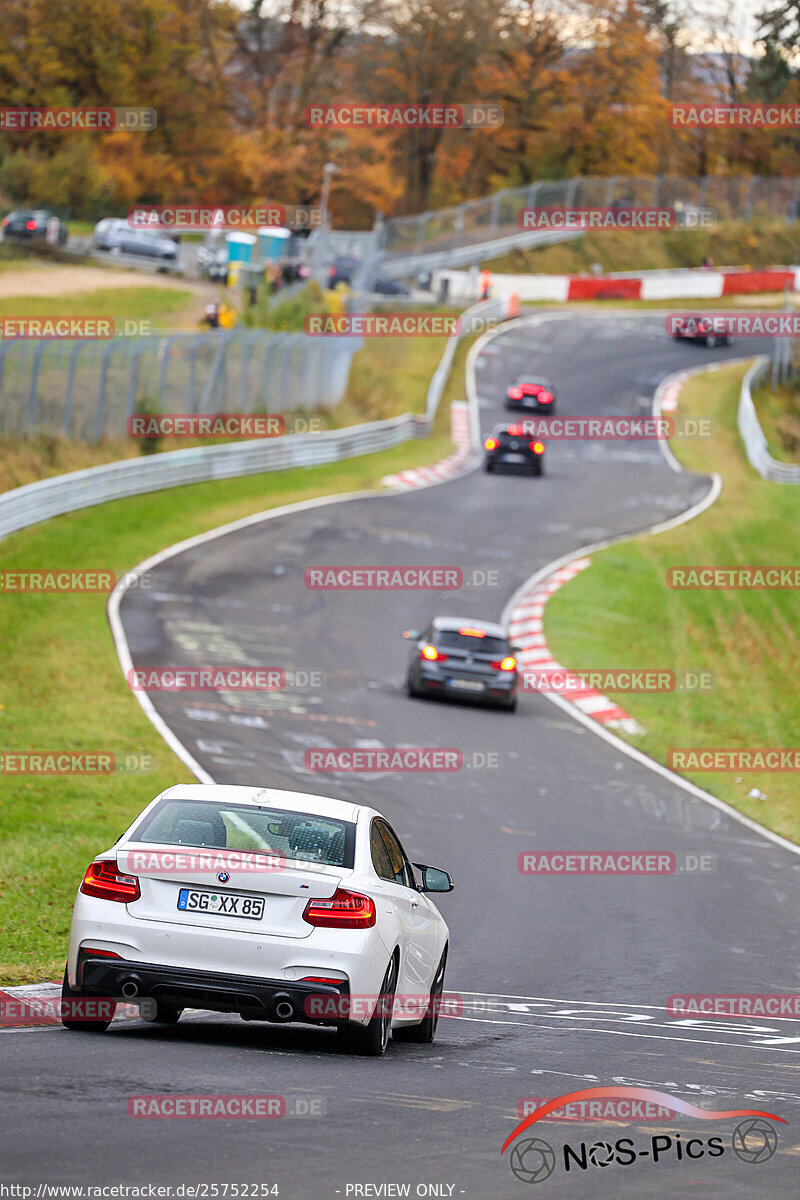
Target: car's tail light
432, 654
331, 272
491, 444
545, 397
104, 880
5, 221
509, 663
469, 631
343, 910
537, 447
30, 224
515, 393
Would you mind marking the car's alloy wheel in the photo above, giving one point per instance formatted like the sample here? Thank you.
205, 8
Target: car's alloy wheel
370, 1040
425, 1032
68, 995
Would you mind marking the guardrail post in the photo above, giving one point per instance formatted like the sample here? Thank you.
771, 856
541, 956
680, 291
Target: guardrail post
216, 368
37, 363
494, 215
748, 204
136, 349
572, 187
247, 351
73, 362
101, 399
612, 187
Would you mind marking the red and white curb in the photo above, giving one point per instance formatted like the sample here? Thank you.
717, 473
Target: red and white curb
449, 467
526, 629
28, 994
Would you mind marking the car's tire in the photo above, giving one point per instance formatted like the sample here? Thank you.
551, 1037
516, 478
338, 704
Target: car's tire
115, 250
370, 1041
413, 692
538, 469
488, 466
425, 1032
164, 1014
67, 993
510, 705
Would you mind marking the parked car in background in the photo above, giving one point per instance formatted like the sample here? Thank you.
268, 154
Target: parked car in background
33, 225
115, 236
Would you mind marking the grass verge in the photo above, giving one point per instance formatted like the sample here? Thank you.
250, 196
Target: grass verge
620, 613
779, 417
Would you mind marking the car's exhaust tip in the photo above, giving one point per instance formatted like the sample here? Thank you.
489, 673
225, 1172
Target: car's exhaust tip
131, 987
283, 1007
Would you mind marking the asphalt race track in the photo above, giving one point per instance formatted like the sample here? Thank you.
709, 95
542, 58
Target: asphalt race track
564, 982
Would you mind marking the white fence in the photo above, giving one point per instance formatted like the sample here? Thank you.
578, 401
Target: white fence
755, 443
48, 498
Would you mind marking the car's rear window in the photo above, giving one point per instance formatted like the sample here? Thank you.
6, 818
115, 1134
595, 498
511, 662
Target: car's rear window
451, 639
300, 836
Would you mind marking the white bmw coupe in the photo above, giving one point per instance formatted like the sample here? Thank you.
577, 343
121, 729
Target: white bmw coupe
279, 906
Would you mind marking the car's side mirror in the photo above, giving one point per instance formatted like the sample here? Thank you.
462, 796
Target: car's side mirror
411, 634
434, 879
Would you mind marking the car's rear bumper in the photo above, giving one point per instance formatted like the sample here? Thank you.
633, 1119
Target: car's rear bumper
499, 685
181, 987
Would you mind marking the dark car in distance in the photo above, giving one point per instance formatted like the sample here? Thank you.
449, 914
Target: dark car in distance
694, 327
33, 225
465, 658
530, 394
511, 445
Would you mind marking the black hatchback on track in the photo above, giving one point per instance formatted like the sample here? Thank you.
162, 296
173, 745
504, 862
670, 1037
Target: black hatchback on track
513, 446
465, 658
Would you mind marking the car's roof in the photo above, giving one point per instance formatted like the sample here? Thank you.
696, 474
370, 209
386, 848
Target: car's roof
455, 623
225, 793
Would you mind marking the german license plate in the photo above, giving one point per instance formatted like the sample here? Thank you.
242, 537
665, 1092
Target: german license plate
467, 685
514, 458
221, 903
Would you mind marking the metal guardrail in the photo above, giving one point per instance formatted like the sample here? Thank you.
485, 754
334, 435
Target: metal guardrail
48, 498
755, 443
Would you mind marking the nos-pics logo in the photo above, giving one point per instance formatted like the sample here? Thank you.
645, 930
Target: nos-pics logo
532, 1159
